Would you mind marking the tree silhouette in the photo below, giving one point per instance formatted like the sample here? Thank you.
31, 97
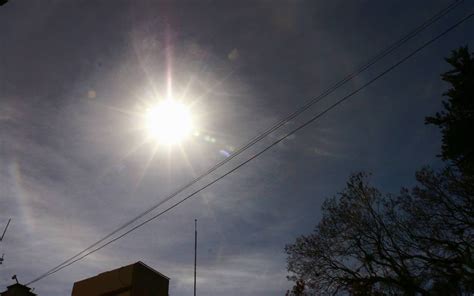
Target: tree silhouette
298, 289
442, 208
457, 121
354, 248
418, 242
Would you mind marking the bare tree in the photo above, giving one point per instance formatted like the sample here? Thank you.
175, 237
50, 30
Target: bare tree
417, 243
442, 208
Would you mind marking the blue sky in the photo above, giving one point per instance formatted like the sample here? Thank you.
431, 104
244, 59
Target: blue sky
74, 74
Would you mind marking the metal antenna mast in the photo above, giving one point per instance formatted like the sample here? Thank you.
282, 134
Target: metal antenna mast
195, 253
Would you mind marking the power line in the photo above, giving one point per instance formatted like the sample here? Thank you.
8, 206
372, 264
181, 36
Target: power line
273, 128
314, 118
328, 91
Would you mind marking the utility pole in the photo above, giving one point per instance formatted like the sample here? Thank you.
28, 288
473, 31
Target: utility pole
195, 253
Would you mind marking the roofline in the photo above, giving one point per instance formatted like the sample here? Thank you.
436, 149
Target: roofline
154, 270
139, 262
101, 273
18, 284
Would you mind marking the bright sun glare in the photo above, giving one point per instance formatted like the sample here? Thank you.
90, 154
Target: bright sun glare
169, 122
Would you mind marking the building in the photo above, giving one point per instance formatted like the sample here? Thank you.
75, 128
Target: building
17, 290
136, 279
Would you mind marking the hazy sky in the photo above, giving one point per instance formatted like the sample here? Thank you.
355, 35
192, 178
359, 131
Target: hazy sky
75, 77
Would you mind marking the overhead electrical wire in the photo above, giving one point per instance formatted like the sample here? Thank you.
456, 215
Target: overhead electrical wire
328, 91
324, 94
382, 54
270, 146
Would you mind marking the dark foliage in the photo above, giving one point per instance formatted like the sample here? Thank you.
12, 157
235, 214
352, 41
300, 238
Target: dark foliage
298, 289
457, 120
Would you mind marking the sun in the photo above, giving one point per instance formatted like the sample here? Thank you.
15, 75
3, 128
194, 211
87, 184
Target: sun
168, 122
